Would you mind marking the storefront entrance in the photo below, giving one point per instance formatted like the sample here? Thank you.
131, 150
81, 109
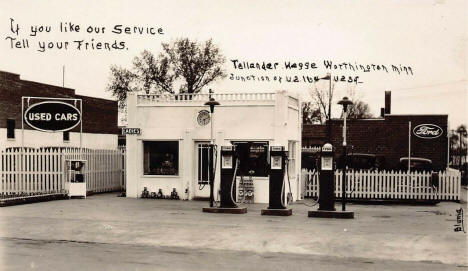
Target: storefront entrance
202, 172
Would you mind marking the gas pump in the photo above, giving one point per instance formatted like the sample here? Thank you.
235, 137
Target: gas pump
229, 165
75, 183
327, 187
229, 168
326, 179
277, 204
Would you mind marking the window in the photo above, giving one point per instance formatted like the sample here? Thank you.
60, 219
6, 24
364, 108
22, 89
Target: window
252, 157
66, 136
161, 157
10, 128
121, 140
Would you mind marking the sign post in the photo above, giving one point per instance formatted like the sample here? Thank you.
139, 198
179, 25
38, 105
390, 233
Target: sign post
409, 146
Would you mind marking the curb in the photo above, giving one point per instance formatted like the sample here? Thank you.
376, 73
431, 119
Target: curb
31, 199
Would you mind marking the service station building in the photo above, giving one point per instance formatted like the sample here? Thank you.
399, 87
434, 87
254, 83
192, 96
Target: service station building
167, 150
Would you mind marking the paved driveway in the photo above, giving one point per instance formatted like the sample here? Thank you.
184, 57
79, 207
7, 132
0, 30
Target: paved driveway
107, 231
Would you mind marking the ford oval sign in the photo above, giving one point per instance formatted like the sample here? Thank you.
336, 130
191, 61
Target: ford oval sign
52, 116
427, 131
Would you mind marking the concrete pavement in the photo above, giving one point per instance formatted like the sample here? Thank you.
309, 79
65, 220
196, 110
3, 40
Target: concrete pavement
64, 255
421, 236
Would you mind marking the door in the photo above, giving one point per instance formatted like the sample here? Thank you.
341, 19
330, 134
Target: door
202, 172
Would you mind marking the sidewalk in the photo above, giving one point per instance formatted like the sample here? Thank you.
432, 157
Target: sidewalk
383, 232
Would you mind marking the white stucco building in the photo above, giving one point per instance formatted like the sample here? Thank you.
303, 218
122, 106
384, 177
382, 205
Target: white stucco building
169, 152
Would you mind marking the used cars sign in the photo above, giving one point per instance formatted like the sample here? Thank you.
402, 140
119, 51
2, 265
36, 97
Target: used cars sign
427, 131
52, 116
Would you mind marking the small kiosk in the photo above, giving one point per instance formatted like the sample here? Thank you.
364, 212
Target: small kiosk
75, 182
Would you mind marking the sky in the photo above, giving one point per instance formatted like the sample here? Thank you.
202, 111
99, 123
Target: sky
428, 36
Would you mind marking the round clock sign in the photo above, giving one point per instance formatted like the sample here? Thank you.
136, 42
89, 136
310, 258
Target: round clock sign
203, 117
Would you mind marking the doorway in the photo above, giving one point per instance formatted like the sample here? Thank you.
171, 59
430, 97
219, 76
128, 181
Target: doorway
202, 172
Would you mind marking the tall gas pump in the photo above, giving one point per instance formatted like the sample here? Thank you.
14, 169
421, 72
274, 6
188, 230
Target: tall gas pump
277, 183
229, 167
327, 187
326, 179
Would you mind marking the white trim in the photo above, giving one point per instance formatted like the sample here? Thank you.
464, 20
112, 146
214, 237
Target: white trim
204, 106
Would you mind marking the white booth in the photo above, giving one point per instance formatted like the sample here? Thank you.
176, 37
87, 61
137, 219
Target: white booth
75, 178
170, 149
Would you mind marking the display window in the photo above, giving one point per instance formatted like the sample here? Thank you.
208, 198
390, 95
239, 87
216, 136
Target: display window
252, 157
161, 157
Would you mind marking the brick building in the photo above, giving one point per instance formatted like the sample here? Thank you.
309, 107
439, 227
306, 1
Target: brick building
387, 137
99, 116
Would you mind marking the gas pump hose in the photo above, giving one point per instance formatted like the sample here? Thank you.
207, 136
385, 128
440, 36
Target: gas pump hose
289, 182
282, 195
315, 201
284, 184
234, 180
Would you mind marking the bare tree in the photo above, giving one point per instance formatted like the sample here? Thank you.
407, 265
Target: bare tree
321, 99
323, 96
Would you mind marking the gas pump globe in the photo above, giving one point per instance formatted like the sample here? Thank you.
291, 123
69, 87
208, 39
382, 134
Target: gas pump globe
326, 157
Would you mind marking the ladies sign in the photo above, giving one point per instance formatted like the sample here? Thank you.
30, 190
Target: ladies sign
52, 116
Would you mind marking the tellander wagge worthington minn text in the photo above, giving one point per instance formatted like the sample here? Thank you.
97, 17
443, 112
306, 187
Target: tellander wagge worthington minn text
271, 71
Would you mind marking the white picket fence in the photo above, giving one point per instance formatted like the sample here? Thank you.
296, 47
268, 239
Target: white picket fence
43, 170
395, 185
